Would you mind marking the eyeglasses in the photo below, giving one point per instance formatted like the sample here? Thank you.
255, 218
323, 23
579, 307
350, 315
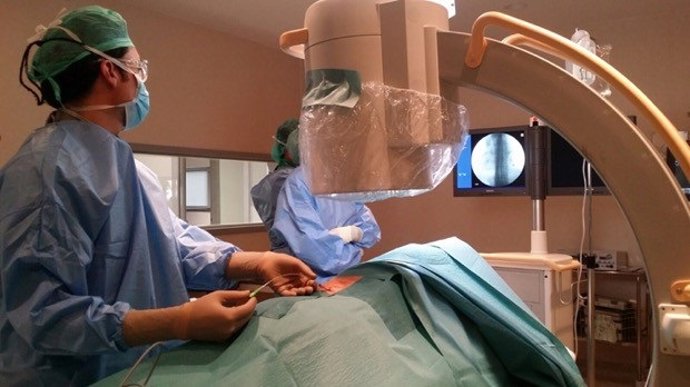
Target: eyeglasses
278, 141
140, 67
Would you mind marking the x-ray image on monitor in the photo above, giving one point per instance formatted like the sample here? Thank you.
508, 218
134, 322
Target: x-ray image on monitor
498, 160
492, 162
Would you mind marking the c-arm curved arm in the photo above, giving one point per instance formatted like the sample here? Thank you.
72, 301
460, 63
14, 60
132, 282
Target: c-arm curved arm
633, 170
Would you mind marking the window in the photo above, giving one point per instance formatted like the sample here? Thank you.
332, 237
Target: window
208, 191
198, 196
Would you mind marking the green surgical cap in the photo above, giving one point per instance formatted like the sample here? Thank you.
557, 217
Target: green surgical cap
281, 138
95, 26
285, 129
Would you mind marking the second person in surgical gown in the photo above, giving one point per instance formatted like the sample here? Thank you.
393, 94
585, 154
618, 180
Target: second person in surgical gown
265, 192
329, 235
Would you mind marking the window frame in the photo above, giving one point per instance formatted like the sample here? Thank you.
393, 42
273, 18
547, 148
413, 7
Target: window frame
182, 153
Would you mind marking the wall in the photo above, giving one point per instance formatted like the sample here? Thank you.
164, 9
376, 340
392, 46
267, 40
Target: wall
248, 239
209, 91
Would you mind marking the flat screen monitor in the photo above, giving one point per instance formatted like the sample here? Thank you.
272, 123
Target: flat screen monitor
493, 163
564, 169
678, 173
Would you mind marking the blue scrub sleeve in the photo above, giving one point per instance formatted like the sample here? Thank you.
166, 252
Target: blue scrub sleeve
45, 286
299, 222
371, 233
204, 257
265, 195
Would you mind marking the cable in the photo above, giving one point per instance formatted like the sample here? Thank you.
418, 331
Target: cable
586, 232
136, 364
154, 345
257, 290
588, 191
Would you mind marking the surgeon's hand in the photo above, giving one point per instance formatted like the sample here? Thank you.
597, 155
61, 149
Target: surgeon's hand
289, 276
215, 316
347, 233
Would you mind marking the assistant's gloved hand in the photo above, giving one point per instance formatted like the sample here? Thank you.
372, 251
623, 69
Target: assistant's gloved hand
348, 233
215, 316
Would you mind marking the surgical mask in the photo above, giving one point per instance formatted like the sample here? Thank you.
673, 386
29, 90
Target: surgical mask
277, 151
135, 110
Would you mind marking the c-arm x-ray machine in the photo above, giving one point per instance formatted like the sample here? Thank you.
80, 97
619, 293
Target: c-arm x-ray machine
406, 44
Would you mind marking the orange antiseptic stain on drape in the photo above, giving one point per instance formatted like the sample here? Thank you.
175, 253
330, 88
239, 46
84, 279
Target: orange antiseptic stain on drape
338, 283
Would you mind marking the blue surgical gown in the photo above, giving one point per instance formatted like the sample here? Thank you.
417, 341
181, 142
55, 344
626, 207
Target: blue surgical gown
265, 194
303, 221
86, 235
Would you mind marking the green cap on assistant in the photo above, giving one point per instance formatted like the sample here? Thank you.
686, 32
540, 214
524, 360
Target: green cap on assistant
281, 138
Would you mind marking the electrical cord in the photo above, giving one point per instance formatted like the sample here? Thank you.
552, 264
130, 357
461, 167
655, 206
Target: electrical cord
158, 343
586, 232
138, 362
257, 290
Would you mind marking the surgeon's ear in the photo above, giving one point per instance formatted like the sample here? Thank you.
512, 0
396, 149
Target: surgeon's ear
111, 74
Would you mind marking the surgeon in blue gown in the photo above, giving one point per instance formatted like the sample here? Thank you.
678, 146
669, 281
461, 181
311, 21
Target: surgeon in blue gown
265, 192
94, 266
329, 235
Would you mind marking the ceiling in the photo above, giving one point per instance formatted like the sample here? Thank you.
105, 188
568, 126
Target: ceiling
263, 21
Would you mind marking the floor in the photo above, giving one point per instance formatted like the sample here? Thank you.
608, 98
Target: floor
606, 383
616, 363
610, 374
